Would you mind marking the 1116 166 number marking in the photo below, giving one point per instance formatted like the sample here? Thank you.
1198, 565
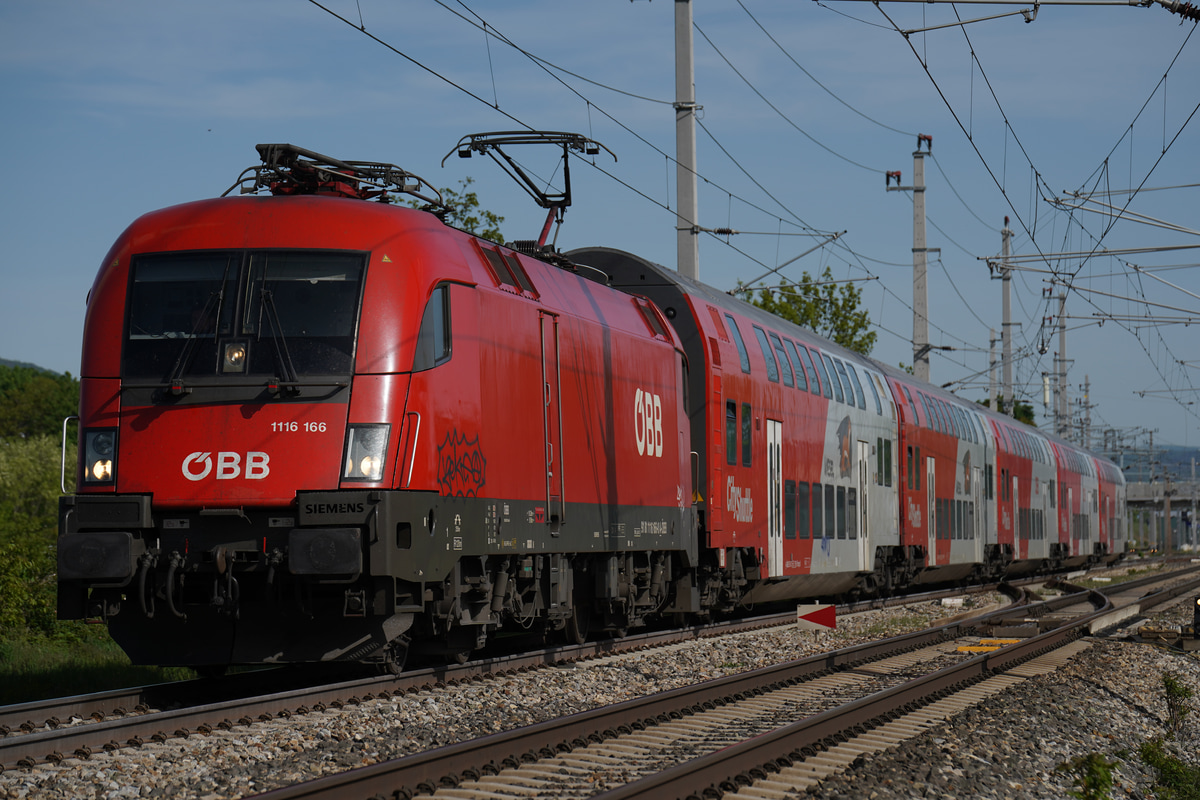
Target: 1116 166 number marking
294, 427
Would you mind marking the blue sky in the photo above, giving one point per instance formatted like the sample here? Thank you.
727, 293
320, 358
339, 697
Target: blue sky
115, 109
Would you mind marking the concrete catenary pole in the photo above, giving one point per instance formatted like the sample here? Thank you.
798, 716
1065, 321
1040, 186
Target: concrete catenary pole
1062, 409
920, 257
1006, 324
991, 367
688, 208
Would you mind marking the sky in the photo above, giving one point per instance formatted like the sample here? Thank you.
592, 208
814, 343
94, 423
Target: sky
114, 109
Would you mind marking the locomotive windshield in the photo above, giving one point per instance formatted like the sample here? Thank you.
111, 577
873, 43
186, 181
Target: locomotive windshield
270, 314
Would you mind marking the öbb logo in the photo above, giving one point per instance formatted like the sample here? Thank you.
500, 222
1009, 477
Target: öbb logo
647, 423
198, 466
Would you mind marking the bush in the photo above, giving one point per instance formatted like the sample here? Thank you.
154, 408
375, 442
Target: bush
1177, 780
29, 489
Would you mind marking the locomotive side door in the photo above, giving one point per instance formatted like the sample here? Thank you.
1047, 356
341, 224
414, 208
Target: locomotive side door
552, 419
775, 498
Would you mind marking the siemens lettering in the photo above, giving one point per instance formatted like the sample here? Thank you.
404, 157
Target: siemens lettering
320, 509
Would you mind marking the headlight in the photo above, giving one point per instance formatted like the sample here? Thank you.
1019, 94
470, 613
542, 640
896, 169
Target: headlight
366, 449
99, 455
233, 357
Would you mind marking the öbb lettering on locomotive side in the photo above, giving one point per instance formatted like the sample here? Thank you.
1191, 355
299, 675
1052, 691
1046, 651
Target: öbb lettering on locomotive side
315, 426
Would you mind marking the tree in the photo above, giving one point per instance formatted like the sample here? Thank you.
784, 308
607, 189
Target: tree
827, 308
466, 214
34, 402
1022, 412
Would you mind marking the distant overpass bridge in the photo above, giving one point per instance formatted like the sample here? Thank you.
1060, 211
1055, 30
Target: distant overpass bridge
1147, 502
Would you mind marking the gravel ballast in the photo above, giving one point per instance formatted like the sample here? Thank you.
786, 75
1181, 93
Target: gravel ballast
1109, 699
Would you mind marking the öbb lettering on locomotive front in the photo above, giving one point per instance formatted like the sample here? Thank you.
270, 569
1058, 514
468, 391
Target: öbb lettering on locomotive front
199, 465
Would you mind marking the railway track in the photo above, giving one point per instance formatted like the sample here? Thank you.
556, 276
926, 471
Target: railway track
725, 736
148, 726
52, 730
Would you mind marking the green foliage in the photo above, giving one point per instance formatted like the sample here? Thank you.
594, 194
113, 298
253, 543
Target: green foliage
829, 309
34, 402
466, 214
86, 661
1093, 778
1177, 780
30, 476
1178, 694
1022, 412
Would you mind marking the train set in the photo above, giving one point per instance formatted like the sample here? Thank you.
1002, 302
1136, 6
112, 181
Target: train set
317, 424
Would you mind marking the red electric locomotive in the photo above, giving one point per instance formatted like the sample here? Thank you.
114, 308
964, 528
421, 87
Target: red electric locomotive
317, 428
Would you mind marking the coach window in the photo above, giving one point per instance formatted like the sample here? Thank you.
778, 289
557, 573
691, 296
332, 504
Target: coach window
947, 423
433, 340
852, 512
772, 370
784, 365
887, 462
803, 511
831, 520
789, 509
826, 382
991, 481
919, 463
743, 356
940, 409
1053, 493
814, 385
818, 527
962, 431
731, 432
861, 402
837, 384
843, 512
747, 434
874, 391
908, 453
879, 461
912, 405
801, 381
934, 422
862, 398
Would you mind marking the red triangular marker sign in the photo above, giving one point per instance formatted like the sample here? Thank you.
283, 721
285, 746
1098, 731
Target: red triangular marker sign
816, 617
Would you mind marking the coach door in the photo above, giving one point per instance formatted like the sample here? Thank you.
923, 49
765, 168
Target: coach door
1070, 517
977, 528
552, 420
931, 509
775, 498
864, 518
1020, 536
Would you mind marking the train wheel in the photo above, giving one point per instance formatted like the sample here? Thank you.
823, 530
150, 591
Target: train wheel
579, 624
394, 657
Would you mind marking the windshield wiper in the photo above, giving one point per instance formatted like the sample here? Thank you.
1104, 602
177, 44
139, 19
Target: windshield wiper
175, 379
282, 357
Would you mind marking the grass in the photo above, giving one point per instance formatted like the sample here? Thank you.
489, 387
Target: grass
37, 668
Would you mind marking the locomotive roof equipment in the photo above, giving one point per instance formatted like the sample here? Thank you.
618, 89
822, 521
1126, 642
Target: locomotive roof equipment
493, 144
291, 170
